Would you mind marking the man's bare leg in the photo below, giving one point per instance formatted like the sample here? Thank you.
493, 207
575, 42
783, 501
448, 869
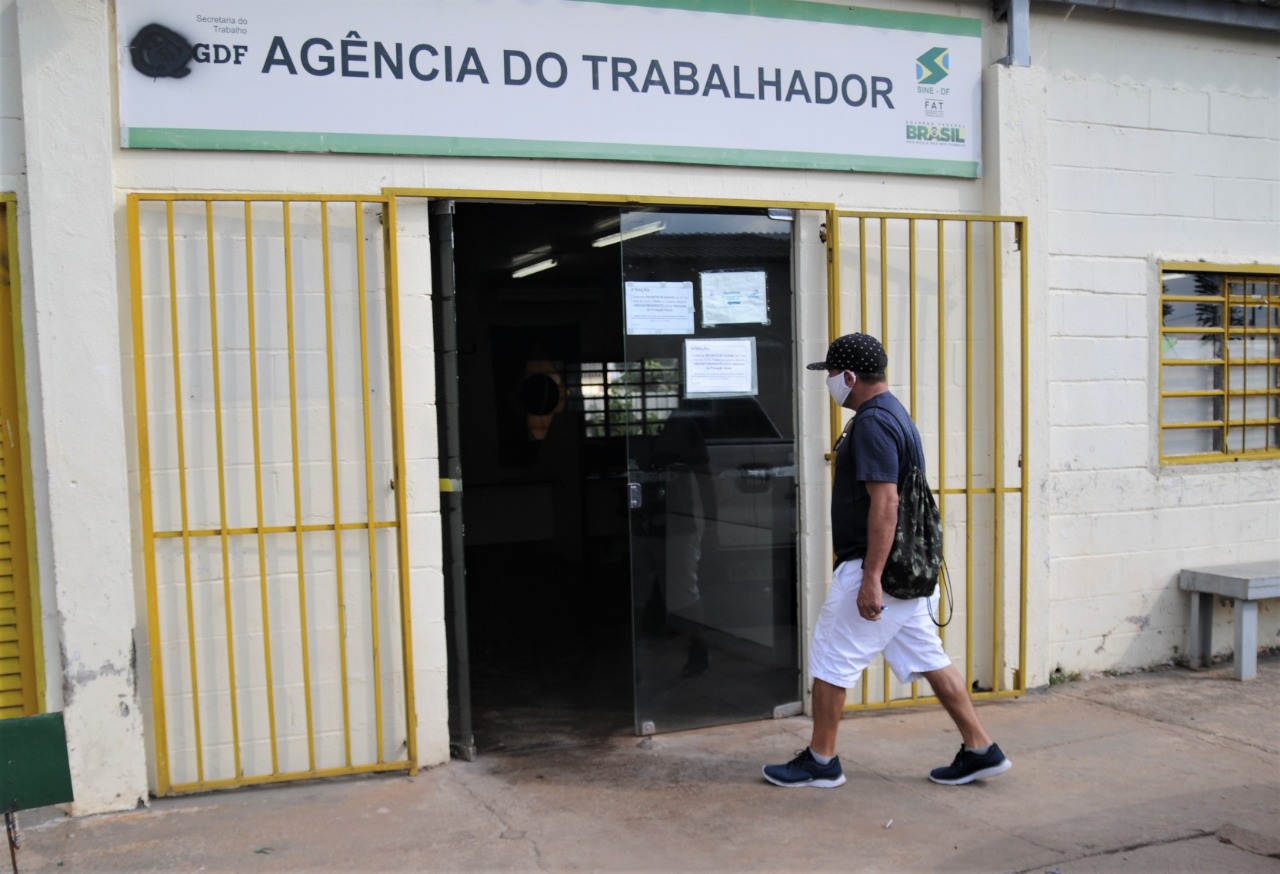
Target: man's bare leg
949, 686
828, 709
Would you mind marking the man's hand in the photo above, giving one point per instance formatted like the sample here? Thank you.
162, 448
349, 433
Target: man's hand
870, 599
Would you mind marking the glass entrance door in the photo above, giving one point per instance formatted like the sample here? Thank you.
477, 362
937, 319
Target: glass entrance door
706, 399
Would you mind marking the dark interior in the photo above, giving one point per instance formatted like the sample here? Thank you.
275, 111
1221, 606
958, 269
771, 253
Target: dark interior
553, 622
548, 585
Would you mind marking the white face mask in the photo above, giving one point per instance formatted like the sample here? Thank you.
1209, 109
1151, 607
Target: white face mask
839, 390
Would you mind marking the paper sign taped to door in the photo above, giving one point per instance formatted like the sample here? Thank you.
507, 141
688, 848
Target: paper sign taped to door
734, 297
659, 307
720, 367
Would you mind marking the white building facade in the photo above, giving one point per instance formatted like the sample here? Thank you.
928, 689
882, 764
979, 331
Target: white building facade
262, 371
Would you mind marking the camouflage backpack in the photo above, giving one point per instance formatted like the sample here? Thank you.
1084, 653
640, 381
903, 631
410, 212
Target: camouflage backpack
915, 560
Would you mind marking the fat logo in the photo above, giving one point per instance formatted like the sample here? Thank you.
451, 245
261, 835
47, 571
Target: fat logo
159, 52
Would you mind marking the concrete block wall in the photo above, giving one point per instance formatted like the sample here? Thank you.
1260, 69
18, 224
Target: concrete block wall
1164, 142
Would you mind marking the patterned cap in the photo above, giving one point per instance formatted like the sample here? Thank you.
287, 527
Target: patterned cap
860, 353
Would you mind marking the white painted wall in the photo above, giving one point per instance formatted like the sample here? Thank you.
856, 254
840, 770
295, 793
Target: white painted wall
1016, 179
74, 282
1164, 143
1182, 112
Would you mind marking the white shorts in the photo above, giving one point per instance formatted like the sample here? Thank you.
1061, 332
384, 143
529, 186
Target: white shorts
844, 643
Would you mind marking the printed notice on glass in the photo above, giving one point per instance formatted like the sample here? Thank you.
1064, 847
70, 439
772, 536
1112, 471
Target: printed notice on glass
734, 297
659, 307
720, 368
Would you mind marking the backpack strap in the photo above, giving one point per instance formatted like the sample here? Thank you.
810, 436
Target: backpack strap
914, 458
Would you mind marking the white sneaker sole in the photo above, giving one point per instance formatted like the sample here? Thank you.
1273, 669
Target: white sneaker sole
817, 784
993, 771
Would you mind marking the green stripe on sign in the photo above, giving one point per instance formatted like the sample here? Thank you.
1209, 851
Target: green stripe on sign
798, 11
392, 144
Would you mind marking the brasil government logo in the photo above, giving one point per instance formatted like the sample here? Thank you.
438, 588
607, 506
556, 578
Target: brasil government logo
932, 133
932, 67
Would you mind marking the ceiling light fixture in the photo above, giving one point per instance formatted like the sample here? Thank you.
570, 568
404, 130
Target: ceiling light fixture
638, 231
534, 268
529, 257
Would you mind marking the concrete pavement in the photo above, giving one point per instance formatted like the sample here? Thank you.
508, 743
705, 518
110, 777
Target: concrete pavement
1157, 772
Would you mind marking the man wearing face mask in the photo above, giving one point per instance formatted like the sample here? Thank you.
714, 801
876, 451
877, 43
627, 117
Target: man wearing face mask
858, 621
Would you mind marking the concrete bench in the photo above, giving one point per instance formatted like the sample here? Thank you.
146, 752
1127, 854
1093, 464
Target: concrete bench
1247, 584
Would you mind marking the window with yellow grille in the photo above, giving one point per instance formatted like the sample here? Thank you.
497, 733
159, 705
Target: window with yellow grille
1219, 363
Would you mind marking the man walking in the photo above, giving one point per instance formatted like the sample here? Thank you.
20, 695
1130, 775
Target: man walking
858, 621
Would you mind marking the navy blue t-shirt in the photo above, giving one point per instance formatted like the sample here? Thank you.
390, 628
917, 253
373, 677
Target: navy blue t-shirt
878, 445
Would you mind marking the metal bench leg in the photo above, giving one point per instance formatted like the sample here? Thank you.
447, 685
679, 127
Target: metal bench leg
1246, 639
1201, 629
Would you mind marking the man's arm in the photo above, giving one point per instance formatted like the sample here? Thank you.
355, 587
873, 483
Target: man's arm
882, 523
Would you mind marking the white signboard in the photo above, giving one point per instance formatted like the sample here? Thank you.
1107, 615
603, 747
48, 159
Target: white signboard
745, 82
659, 307
720, 368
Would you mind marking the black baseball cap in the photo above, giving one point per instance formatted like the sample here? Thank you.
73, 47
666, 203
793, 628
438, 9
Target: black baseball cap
860, 353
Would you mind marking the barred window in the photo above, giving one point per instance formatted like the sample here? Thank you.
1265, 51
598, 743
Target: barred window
1219, 363
630, 398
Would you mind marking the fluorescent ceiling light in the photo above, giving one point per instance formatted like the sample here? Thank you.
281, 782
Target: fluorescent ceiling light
638, 231
534, 268
529, 257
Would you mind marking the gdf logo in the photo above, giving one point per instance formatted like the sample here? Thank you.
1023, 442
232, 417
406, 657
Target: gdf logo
932, 67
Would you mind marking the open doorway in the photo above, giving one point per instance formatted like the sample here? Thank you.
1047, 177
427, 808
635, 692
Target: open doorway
544, 510
624, 549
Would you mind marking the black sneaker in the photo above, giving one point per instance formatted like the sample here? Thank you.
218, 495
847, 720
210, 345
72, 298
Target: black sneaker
969, 766
804, 770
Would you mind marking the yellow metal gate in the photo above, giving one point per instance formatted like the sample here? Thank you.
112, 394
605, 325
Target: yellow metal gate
269, 429
19, 630
948, 296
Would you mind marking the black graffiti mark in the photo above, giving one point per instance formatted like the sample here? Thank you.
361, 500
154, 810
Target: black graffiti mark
157, 52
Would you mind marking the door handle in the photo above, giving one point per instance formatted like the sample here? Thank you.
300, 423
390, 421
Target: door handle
754, 478
634, 501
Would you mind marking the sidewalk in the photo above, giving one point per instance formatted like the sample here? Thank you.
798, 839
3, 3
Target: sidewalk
1161, 772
